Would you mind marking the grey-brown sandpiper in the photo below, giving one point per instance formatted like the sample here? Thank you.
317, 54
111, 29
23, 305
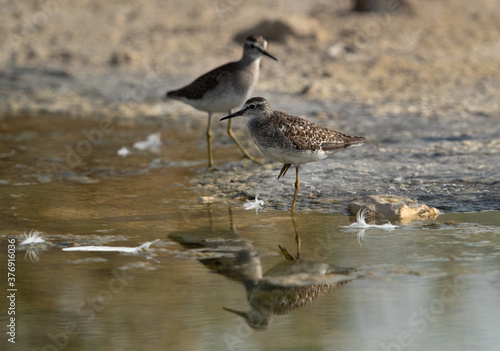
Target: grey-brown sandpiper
289, 139
225, 88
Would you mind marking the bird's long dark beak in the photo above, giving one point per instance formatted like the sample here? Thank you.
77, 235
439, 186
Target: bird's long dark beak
236, 114
268, 54
239, 313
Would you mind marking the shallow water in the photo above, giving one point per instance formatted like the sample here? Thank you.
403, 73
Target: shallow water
423, 286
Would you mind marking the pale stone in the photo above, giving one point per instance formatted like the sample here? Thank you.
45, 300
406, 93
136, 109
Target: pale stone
393, 208
206, 199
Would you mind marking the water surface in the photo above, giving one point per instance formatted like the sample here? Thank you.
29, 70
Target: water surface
424, 286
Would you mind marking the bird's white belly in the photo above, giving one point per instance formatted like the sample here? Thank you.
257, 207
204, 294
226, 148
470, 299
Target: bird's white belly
218, 103
293, 157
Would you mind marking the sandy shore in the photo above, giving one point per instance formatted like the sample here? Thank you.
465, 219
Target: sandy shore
422, 86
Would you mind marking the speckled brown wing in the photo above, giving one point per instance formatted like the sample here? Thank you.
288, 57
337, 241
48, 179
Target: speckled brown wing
209, 81
306, 135
343, 142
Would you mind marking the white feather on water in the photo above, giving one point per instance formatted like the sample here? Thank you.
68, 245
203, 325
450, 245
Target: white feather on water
134, 250
361, 222
362, 225
152, 143
123, 152
33, 237
256, 204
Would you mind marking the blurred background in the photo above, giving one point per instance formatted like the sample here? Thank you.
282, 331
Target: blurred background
79, 57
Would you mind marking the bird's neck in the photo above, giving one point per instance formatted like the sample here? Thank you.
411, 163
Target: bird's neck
247, 60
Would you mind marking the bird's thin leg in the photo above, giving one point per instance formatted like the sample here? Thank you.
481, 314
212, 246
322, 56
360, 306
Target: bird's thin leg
238, 144
297, 237
283, 249
297, 184
286, 254
284, 169
209, 142
232, 226
210, 219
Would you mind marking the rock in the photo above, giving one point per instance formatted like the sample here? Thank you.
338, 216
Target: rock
279, 30
383, 6
206, 200
315, 90
119, 58
337, 51
393, 208
123, 57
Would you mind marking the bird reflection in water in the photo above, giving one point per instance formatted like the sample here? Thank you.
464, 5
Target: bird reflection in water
290, 284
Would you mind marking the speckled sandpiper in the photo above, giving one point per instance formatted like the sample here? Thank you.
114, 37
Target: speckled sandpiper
289, 139
225, 88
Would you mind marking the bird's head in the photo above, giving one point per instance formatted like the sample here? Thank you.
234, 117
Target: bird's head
253, 107
255, 47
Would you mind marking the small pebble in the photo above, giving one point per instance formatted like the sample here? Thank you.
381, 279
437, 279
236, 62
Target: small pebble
206, 199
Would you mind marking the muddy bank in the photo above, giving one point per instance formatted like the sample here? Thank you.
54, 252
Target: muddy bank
119, 59
445, 161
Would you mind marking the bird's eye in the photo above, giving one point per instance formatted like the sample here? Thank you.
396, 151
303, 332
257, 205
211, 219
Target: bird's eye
251, 107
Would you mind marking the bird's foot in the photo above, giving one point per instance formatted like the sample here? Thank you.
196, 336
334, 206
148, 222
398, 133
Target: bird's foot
212, 168
285, 253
